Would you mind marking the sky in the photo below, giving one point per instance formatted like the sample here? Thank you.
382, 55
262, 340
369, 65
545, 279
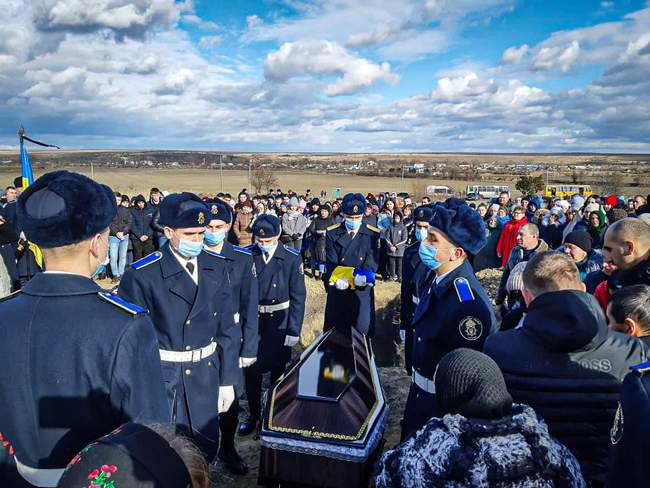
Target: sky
327, 76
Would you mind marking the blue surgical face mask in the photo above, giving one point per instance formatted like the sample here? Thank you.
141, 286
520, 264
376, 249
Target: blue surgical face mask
352, 225
428, 255
421, 234
268, 248
214, 238
102, 266
189, 249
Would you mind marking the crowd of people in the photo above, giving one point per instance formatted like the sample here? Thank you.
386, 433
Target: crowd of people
541, 385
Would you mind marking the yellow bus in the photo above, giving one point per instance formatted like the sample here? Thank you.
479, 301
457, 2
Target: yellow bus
567, 190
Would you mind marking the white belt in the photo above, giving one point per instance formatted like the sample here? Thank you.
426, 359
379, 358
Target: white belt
237, 318
423, 382
416, 300
193, 356
46, 478
273, 308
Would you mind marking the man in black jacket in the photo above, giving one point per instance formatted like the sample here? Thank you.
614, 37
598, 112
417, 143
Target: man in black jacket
564, 362
118, 239
627, 246
141, 230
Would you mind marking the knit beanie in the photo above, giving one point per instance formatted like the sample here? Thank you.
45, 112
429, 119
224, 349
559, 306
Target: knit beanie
471, 384
579, 238
515, 279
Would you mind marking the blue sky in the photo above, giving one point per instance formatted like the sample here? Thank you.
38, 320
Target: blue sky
329, 75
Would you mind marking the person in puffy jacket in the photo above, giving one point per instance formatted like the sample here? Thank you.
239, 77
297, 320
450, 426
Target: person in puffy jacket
564, 362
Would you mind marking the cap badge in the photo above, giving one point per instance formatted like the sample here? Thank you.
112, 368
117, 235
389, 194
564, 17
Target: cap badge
261, 232
214, 210
355, 208
200, 218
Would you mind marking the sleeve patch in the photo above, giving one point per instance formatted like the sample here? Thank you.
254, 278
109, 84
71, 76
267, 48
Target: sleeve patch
463, 290
120, 303
147, 260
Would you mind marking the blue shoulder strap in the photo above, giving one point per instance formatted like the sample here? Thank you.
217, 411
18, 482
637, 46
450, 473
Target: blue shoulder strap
243, 250
292, 250
215, 254
463, 290
123, 304
147, 260
640, 368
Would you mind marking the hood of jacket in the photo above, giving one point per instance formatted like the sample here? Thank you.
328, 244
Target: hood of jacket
566, 321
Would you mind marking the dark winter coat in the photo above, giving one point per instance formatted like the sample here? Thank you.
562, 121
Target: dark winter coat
397, 236
122, 221
142, 219
487, 257
515, 452
517, 255
568, 366
318, 231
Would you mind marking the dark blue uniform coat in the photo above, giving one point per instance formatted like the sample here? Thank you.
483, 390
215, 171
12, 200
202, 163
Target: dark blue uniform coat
415, 275
242, 279
187, 317
75, 366
281, 280
356, 308
448, 316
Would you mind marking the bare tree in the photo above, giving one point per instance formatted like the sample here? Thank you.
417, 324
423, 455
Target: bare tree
262, 179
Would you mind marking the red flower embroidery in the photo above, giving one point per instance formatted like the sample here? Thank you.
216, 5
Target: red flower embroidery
93, 474
99, 477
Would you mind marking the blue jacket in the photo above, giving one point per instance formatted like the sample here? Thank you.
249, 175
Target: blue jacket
242, 277
280, 280
142, 220
568, 366
187, 317
76, 364
351, 308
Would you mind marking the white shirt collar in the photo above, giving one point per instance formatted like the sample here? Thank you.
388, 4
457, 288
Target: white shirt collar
183, 262
270, 254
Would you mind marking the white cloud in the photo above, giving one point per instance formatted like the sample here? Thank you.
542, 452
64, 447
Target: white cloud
322, 58
557, 57
197, 21
253, 21
207, 42
176, 83
514, 54
146, 66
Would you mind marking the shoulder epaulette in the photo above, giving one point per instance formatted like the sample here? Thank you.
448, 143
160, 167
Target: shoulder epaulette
463, 290
147, 260
292, 250
213, 253
123, 304
641, 368
243, 250
250, 247
373, 228
334, 226
11, 295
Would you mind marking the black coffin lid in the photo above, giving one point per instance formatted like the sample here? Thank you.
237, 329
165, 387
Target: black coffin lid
332, 394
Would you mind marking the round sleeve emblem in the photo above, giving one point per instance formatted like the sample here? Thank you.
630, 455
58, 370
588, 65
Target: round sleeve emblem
470, 328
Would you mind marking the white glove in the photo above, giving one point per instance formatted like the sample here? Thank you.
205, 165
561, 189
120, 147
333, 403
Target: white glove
291, 341
342, 284
402, 336
226, 397
359, 281
246, 362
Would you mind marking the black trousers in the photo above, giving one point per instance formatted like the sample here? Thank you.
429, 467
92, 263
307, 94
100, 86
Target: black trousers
253, 379
395, 266
228, 422
141, 249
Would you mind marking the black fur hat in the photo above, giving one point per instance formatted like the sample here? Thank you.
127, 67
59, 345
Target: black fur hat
464, 226
180, 210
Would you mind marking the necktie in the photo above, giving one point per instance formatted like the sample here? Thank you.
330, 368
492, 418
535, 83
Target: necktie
190, 267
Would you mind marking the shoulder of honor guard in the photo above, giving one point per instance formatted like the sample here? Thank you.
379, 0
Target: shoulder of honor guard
11, 295
147, 260
335, 226
463, 290
120, 303
641, 368
373, 228
243, 250
292, 250
250, 247
215, 254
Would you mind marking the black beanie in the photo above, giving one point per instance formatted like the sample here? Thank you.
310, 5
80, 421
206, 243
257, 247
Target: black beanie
470, 383
579, 238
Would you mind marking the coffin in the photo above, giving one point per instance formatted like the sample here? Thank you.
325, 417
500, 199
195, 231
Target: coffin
324, 419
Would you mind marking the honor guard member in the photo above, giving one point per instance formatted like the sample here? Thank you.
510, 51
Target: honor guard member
242, 281
415, 275
629, 464
184, 290
281, 310
352, 244
76, 361
453, 311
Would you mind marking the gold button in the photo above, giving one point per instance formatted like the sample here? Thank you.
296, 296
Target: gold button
188, 322
272, 301
342, 259
419, 339
215, 314
274, 285
209, 363
188, 372
187, 348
